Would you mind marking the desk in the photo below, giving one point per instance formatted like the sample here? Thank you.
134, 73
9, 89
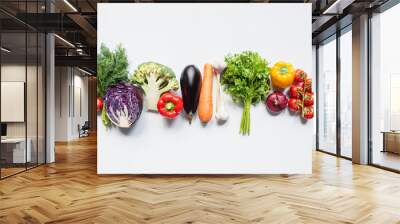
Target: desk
391, 141
17, 150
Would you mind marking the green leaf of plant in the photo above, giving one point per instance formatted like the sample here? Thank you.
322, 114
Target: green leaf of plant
112, 68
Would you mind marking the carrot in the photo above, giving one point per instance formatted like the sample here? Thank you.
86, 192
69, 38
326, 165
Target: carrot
205, 101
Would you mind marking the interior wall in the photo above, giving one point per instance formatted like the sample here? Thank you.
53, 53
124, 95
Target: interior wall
71, 102
16, 72
61, 103
81, 82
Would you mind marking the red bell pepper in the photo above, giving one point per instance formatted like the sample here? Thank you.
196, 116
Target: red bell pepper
169, 105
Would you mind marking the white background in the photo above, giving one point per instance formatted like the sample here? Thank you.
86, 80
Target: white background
181, 34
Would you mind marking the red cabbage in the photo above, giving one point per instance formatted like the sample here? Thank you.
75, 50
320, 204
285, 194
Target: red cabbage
123, 103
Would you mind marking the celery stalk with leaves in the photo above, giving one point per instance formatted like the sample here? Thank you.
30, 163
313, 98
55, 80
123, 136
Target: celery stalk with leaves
247, 80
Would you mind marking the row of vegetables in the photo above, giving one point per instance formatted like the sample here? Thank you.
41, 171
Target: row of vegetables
245, 76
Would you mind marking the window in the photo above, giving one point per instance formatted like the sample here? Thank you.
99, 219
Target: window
346, 93
385, 89
335, 74
327, 97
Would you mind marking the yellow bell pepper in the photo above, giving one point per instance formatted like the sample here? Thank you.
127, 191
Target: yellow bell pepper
282, 74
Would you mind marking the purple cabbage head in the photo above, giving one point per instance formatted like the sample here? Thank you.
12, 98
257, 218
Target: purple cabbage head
123, 103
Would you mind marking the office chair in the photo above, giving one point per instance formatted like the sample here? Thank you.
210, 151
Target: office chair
84, 130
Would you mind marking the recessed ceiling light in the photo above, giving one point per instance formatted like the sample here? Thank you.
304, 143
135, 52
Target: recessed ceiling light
64, 40
70, 5
84, 71
333, 6
337, 7
5, 50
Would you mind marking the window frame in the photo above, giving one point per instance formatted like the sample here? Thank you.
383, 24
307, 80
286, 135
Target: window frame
334, 37
381, 9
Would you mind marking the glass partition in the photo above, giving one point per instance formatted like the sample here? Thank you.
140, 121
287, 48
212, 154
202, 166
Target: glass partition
14, 155
22, 101
346, 94
32, 86
327, 96
385, 90
31, 98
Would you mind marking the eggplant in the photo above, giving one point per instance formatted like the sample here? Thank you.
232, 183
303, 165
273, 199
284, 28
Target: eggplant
190, 87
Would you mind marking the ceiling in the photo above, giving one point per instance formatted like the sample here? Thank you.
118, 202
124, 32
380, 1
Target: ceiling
75, 21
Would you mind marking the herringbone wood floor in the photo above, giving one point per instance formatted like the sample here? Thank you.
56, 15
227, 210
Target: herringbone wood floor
70, 191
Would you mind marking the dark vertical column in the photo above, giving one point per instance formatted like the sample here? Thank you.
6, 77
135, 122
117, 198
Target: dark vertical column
369, 89
44, 69
338, 91
37, 89
0, 94
317, 99
26, 86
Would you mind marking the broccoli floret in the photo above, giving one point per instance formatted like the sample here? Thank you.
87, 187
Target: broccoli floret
155, 79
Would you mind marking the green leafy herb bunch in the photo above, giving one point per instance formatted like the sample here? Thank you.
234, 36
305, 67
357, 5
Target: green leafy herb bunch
247, 80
